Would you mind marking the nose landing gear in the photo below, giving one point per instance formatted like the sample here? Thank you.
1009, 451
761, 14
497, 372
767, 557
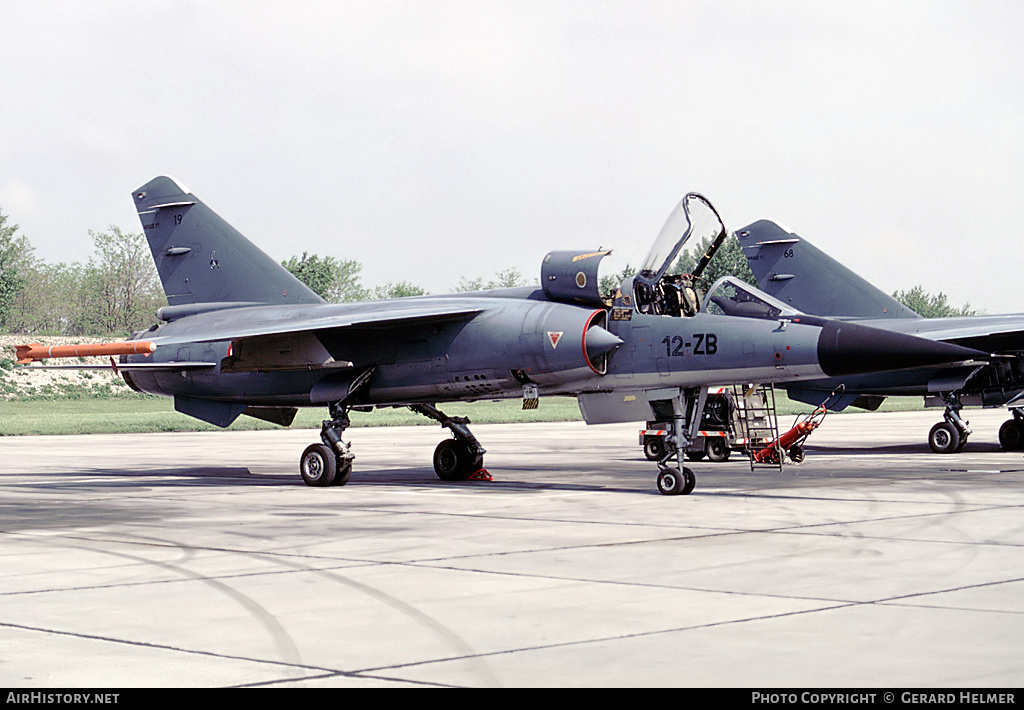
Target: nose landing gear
672, 482
686, 406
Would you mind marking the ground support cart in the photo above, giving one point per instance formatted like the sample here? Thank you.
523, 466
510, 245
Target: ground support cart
731, 421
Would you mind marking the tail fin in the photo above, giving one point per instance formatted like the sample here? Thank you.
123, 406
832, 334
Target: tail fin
202, 259
794, 271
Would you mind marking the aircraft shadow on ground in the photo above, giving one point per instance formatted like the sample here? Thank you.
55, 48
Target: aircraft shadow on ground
505, 477
98, 478
919, 449
106, 478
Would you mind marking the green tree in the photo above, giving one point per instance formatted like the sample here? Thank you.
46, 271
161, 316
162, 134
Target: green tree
334, 280
402, 289
611, 282
466, 285
729, 260
509, 278
120, 288
51, 302
16, 259
931, 306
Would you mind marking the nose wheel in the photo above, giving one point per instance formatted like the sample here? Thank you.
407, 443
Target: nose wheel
672, 482
686, 405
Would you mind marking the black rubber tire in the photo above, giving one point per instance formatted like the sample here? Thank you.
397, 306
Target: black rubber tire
654, 448
670, 482
1011, 435
453, 461
944, 438
344, 473
689, 483
673, 483
717, 448
318, 465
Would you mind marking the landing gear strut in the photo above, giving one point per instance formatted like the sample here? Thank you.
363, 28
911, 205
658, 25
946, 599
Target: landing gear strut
329, 463
949, 436
459, 458
686, 408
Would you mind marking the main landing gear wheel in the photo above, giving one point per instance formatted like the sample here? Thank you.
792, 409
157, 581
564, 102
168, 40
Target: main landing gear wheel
1011, 435
320, 466
454, 461
944, 438
950, 435
457, 459
330, 463
673, 483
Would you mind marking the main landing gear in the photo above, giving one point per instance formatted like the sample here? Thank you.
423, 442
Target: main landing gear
1011, 433
459, 458
950, 435
330, 463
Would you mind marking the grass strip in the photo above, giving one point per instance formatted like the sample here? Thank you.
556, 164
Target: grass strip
140, 414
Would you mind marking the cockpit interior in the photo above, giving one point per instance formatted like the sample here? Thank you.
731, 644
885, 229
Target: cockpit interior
656, 292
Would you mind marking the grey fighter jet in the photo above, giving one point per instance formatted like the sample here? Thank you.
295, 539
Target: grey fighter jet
798, 273
240, 335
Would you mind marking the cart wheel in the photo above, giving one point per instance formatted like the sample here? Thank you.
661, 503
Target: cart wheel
654, 448
717, 448
796, 454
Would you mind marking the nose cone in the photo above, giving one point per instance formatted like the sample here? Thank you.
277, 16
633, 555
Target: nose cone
849, 349
600, 341
597, 343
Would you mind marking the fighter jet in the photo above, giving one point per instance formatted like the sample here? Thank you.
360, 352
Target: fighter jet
793, 270
240, 335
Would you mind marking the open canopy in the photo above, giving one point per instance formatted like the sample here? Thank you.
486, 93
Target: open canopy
732, 297
692, 217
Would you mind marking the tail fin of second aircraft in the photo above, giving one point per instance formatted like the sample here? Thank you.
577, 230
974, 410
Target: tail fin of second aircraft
794, 271
201, 259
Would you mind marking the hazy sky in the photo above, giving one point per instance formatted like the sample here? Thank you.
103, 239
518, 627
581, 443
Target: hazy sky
437, 140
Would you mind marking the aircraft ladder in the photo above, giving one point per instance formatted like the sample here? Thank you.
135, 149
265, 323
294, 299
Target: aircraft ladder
757, 421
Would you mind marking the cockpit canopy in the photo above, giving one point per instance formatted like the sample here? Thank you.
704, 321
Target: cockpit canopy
693, 217
732, 297
655, 291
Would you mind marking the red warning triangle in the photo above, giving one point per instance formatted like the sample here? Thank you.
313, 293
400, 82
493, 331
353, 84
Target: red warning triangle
554, 336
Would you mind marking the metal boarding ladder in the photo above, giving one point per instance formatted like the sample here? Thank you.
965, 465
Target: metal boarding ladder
758, 421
